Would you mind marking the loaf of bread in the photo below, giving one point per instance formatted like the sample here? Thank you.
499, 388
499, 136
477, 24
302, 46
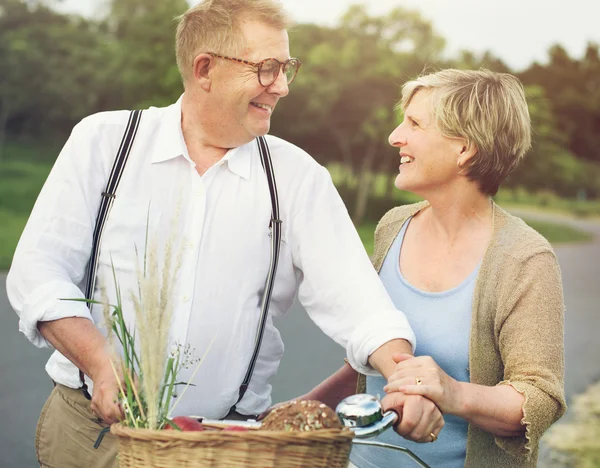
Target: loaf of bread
301, 416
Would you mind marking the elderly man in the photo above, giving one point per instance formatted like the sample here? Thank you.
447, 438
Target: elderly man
202, 157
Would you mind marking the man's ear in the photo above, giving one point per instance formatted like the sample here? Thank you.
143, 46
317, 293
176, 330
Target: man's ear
202, 68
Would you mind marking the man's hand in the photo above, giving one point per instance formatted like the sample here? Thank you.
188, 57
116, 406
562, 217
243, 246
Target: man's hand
105, 402
81, 342
419, 417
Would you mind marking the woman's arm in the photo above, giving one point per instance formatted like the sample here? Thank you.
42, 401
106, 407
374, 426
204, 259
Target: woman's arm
495, 409
529, 324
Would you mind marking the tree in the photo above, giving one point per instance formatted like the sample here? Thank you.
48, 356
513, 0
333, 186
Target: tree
51, 68
573, 88
346, 92
144, 60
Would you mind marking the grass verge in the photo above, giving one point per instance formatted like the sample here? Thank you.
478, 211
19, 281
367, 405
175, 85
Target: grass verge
554, 232
25, 169
579, 437
22, 175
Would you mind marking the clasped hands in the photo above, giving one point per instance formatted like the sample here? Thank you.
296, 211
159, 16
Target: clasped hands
420, 392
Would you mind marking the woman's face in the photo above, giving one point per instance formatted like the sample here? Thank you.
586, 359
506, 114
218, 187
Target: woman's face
428, 160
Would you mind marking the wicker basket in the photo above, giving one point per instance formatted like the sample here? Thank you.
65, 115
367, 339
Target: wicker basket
328, 448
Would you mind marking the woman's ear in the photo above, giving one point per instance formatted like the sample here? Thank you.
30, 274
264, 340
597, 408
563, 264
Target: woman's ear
202, 69
467, 151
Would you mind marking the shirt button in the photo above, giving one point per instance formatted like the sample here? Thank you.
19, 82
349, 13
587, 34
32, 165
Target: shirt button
185, 298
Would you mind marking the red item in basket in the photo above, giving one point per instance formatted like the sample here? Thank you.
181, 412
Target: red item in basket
185, 423
235, 429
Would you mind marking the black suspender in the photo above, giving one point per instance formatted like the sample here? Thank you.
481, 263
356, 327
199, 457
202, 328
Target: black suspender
275, 226
106, 201
108, 197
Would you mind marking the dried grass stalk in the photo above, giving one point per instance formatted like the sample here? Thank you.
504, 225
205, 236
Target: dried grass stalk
153, 308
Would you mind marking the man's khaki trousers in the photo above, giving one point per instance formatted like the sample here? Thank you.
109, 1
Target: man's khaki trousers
67, 431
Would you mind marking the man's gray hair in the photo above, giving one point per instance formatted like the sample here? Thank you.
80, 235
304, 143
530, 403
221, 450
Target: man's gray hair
215, 26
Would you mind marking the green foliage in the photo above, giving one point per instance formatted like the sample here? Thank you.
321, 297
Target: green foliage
555, 233
579, 436
144, 52
551, 166
366, 232
52, 69
12, 227
548, 201
25, 169
58, 68
559, 233
341, 105
573, 90
22, 175
20, 184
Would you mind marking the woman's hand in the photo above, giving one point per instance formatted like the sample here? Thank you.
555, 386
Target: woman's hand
423, 376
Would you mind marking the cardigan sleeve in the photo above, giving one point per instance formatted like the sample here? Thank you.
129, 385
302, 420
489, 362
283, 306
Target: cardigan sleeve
530, 332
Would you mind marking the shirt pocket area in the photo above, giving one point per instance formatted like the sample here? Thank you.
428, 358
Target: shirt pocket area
129, 227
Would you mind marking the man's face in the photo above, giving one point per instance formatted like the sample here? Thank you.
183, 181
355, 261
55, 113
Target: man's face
243, 106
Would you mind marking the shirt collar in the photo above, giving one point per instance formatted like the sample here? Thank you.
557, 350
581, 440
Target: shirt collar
170, 144
239, 159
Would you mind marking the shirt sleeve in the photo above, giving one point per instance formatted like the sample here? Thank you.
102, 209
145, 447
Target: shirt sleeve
339, 288
52, 254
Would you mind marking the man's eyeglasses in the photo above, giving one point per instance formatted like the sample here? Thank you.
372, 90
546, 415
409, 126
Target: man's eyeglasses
268, 70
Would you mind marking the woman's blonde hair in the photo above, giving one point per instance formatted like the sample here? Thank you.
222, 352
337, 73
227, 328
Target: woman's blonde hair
215, 26
485, 108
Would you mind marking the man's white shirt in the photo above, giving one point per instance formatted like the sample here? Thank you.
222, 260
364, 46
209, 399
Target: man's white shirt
223, 229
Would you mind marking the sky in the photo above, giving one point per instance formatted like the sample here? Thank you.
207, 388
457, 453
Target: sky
517, 31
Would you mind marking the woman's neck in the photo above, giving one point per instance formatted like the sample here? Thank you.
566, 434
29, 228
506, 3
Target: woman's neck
451, 216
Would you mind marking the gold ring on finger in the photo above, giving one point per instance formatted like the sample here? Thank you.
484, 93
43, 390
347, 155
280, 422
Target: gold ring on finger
418, 380
433, 437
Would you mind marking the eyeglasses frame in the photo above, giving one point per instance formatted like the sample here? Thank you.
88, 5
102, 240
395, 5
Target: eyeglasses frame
258, 65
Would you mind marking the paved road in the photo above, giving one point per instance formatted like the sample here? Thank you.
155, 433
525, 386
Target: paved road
580, 265
24, 387
310, 355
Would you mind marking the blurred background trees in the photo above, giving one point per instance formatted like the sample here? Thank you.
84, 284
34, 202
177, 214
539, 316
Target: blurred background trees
56, 68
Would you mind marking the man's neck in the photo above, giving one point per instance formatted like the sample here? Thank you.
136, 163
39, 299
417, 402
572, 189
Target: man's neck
202, 151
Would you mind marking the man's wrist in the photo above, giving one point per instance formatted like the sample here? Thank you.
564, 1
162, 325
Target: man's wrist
381, 359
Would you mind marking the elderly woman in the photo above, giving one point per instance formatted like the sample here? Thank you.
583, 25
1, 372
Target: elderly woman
481, 289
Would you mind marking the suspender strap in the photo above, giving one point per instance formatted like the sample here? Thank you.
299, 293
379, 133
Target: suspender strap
275, 227
106, 201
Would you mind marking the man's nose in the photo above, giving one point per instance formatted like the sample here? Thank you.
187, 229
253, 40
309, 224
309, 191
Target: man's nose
280, 85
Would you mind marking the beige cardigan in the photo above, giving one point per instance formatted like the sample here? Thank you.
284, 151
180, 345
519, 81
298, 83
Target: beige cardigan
516, 333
